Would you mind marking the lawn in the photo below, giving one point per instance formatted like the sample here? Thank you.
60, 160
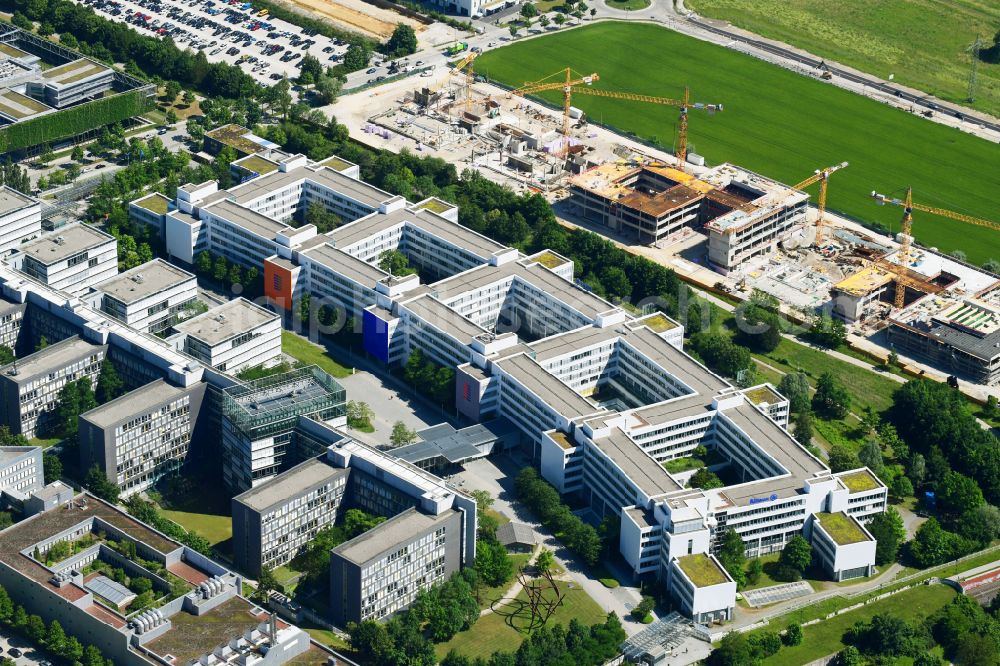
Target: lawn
311, 354
923, 43
44, 442
217, 529
492, 633
775, 122
822, 639
631, 5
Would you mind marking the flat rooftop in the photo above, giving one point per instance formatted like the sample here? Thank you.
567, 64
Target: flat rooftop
549, 389
144, 281
9, 453
351, 188
64, 243
73, 71
345, 264
19, 106
133, 403
226, 321
235, 136
291, 484
11, 200
439, 315
154, 203
702, 570
12, 51
51, 359
864, 282
636, 464
336, 163
860, 481
257, 164
191, 636
843, 529
387, 536
261, 225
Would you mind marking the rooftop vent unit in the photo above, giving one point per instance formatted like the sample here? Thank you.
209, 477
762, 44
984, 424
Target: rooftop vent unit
59, 240
138, 278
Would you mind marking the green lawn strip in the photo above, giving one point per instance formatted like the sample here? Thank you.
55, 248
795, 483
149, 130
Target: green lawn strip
311, 354
878, 38
492, 633
776, 133
44, 442
284, 575
214, 528
499, 517
631, 5
605, 577
824, 638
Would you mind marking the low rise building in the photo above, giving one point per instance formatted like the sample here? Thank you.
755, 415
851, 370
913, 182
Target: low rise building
20, 218
843, 546
702, 588
238, 334
142, 436
21, 469
71, 83
150, 297
29, 387
71, 259
209, 622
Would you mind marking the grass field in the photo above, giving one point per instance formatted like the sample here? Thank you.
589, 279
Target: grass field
922, 42
492, 633
822, 639
302, 350
217, 529
776, 122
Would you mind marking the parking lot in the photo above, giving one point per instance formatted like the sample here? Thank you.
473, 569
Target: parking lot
233, 32
24, 653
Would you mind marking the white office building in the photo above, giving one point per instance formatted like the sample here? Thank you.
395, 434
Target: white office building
20, 219
71, 259
236, 335
150, 297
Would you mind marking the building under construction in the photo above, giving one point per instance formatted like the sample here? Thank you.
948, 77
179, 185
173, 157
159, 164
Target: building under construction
743, 213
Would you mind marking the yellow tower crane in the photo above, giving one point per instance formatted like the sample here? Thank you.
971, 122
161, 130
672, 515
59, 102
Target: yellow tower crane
821, 176
907, 227
567, 87
460, 65
683, 104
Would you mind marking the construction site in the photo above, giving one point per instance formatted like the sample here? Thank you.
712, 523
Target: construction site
722, 226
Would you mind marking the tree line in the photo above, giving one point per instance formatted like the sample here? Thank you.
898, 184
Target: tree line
545, 501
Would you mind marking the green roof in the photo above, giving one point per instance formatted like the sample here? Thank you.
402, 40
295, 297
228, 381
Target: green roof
436, 205
156, 203
549, 259
12, 51
658, 323
232, 135
842, 528
859, 482
560, 438
256, 164
19, 106
335, 163
762, 394
702, 570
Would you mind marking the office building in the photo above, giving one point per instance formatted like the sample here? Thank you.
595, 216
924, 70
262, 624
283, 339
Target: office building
210, 622
11, 319
20, 218
149, 298
71, 83
429, 534
142, 436
259, 423
71, 259
21, 469
29, 387
844, 548
238, 334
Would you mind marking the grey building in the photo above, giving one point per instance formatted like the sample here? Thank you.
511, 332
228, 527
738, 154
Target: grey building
29, 387
142, 436
381, 571
21, 469
11, 318
71, 259
71, 83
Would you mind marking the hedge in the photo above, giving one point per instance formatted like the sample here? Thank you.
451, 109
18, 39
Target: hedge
79, 119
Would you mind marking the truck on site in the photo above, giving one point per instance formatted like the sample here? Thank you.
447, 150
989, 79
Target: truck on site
457, 48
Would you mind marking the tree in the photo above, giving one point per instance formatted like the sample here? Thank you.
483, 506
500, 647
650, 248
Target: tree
980, 524
403, 42
795, 387
359, 415
889, 532
933, 545
793, 634
545, 560
170, 118
797, 554
52, 468
721, 354
543, 20
559, 19
513, 29
528, 10
870, 456
35, 628
849, 656
77, 154
188, 97
802, 427
957, 494
220, 268
758, 328
311, 67
395, 263
203, 263
732, 555
43, 183
356, 57
171, 91
109, 384
265, 583
402, 435
97, 482
705, 480
754, 571
55, 637
901, 487
493, 564
235, 275
644, 607
733, 650
68, 409
324, 220
326, 88
831, 399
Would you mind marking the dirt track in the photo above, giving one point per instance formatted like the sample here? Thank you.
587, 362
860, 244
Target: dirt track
356, 16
